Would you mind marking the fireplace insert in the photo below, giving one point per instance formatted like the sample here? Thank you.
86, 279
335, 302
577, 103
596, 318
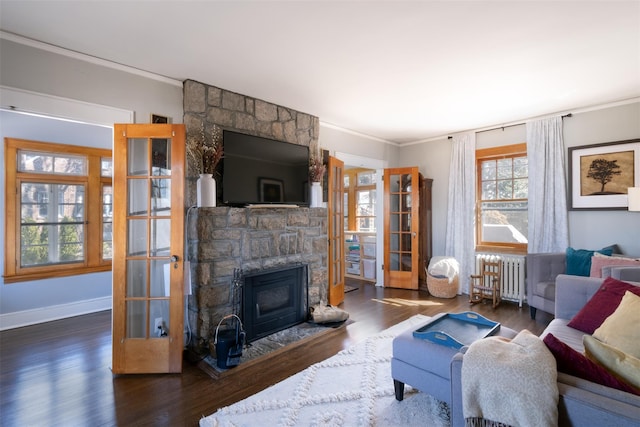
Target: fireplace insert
274, 299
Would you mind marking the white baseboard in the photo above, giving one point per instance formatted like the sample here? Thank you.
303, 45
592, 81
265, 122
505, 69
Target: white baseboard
55, 312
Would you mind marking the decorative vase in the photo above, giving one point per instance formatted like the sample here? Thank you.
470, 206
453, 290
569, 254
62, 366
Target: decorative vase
206, 189
316, 195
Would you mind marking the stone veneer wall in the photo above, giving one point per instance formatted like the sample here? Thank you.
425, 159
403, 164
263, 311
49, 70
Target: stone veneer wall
221, 239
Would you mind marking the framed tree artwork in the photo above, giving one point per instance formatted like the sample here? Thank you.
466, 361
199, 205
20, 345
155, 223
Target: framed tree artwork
600, 174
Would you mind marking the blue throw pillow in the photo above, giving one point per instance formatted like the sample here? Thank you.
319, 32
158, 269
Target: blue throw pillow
579, 260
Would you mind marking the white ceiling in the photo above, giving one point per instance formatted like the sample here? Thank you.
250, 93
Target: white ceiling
402, 71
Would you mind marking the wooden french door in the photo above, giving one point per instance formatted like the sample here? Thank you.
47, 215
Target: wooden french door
148, 224
401, 221
336, 230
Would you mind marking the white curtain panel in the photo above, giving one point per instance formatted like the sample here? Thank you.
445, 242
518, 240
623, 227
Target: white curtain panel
548, 229
460, 236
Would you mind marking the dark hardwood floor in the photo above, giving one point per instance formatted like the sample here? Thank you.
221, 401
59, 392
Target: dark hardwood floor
57, 374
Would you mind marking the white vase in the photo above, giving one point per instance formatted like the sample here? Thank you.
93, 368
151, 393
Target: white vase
206, 191
316, 195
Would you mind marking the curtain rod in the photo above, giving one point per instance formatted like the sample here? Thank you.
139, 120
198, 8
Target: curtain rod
511, 125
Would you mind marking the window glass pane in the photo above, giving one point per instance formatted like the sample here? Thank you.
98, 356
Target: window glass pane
52, 163
138, 196
161, 197
346, 181
160, 237
520, 167
520, 188
365, 207
138, 157
136, 278
107, 222
106, 166
137, 240
346, 210
505, 168
136, 319
505, 189
488, 190
160, 160
366, 224
504, 222
160, 270
52, 223
71, 247
488, 170
366, 178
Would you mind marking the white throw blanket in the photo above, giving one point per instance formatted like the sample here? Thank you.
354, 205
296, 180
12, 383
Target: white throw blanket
513, 382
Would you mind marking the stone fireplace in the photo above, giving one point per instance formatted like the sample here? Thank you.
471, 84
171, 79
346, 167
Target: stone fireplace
221, 240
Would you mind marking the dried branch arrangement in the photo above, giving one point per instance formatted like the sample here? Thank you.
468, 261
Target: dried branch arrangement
205, 152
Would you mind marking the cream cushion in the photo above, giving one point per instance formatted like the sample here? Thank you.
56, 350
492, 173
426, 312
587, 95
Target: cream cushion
622, 365
621, 329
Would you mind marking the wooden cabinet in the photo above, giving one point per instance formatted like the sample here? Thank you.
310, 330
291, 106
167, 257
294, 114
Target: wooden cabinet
425, 245
360, 255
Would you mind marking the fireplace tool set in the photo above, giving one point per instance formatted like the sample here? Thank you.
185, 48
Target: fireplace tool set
230, 342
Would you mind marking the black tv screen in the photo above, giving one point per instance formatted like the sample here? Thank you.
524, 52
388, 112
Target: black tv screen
258, 170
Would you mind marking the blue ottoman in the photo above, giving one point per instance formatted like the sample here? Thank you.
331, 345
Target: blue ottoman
425, 365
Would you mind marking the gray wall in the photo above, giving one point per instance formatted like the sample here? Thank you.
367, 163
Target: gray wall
587, 229
334, 140
32, 69
36, 70
29, 68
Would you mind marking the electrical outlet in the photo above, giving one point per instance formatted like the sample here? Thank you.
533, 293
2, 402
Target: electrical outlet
159, 326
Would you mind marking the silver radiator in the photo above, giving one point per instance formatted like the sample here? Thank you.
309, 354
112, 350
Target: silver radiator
513, 273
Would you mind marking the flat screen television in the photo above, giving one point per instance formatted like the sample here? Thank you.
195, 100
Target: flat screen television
259, 170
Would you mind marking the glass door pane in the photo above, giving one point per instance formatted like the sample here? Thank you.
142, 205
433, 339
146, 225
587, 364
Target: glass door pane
148, 259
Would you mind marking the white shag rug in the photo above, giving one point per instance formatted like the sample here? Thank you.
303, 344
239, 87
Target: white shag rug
352, 388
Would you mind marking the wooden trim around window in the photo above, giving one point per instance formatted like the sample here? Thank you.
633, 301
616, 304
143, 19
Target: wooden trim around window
493, 153
93, 207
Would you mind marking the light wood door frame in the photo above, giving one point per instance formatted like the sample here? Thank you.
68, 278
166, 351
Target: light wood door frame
336, 256
401, 241
145, 352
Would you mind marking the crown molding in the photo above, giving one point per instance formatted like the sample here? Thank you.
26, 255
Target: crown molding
87, 58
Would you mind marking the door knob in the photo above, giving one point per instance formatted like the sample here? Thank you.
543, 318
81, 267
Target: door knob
175, 258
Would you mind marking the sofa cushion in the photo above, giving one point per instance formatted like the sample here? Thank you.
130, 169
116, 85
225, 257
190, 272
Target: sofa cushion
598, 262
579, 260
573, 363
619, 363
622, 328
601, 305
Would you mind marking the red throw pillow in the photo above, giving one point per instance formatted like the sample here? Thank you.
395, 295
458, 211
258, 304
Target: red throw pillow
574, 363
603, 303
